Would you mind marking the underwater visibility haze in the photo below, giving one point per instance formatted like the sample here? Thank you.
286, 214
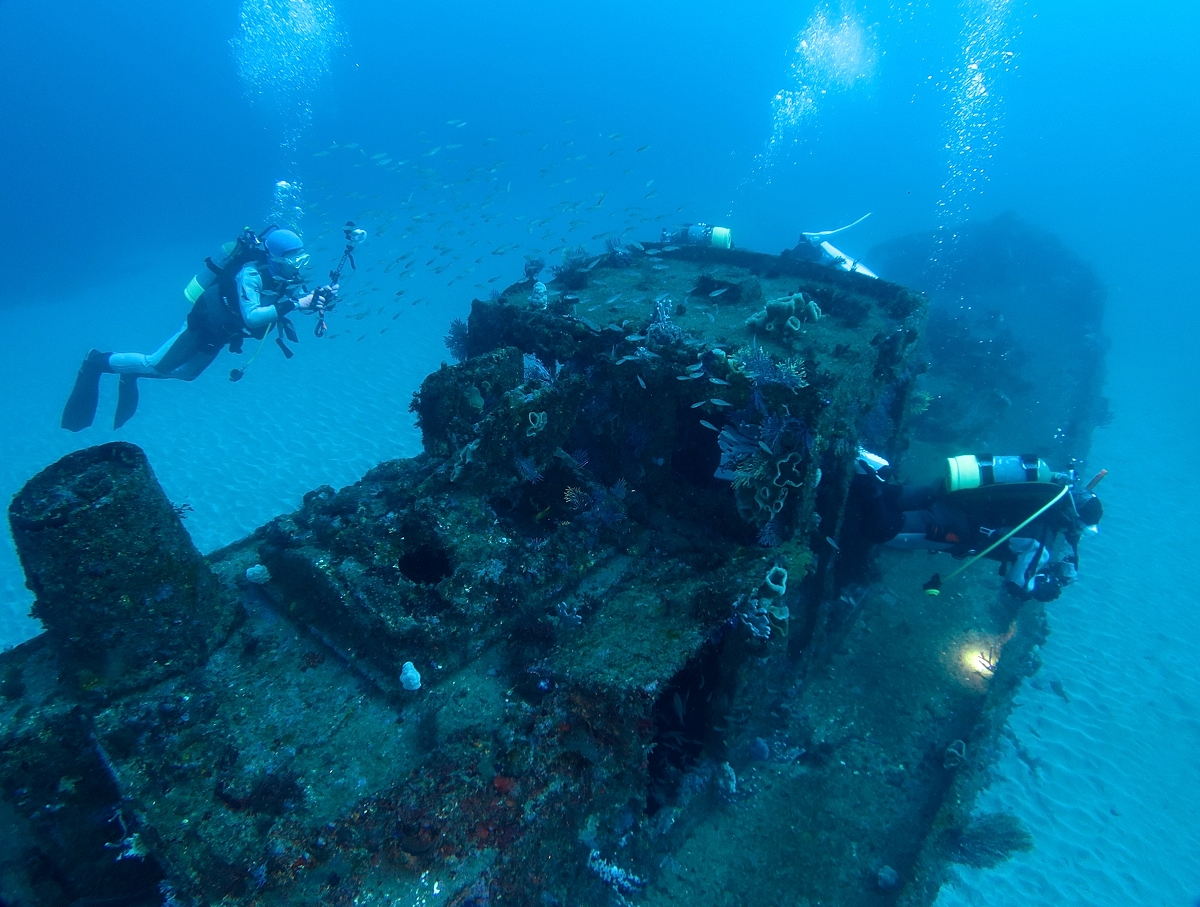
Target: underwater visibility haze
599, 614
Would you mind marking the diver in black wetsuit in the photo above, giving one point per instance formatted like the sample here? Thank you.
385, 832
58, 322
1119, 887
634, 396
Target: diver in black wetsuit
252, 290
1008, 509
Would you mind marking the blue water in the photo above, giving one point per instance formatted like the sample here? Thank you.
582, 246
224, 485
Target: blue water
138, 136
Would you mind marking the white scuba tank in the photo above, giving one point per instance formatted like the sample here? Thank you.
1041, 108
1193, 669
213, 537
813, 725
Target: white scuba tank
978, 471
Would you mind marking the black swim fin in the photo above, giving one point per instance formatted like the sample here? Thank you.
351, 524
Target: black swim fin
127, 400
80, 410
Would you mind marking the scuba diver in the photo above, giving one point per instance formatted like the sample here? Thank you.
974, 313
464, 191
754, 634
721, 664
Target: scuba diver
251, 287
816, 247
1008, 509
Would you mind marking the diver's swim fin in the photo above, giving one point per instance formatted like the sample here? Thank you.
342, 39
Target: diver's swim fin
80, 410
127, 400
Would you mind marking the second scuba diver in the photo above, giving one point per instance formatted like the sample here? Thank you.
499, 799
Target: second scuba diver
1007, 509
252, 287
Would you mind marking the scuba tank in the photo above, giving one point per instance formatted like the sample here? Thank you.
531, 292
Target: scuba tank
980, 471
226, 263
699, 235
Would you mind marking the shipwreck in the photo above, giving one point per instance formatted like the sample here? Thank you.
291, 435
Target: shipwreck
608, 640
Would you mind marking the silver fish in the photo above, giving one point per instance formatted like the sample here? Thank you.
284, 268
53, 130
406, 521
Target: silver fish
696, 367
715, 293
641, 382
708, 424
833, 544
698, 405
612, 299
634, 338
719, 381
717, 401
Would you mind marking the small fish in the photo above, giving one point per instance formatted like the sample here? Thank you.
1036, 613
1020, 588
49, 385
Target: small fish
686, 377
698, 405
1057, 687
765, 446
833, 544
638, 246
634, 338
719, 381
715, 293
612, 299
696, 367
670, 248
717, 401
710, 317
653, 251
643, 148
708, 424
641, 382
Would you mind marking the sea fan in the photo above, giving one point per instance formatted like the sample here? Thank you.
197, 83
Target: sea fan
572, 273
762, 369
456, 340
528, 470
768, 536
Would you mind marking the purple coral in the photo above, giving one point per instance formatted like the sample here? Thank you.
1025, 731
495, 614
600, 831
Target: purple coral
527, 469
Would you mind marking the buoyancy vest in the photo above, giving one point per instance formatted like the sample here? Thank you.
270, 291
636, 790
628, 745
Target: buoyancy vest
216, 314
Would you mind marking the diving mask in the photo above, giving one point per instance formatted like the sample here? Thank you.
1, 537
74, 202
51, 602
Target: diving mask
289, 265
